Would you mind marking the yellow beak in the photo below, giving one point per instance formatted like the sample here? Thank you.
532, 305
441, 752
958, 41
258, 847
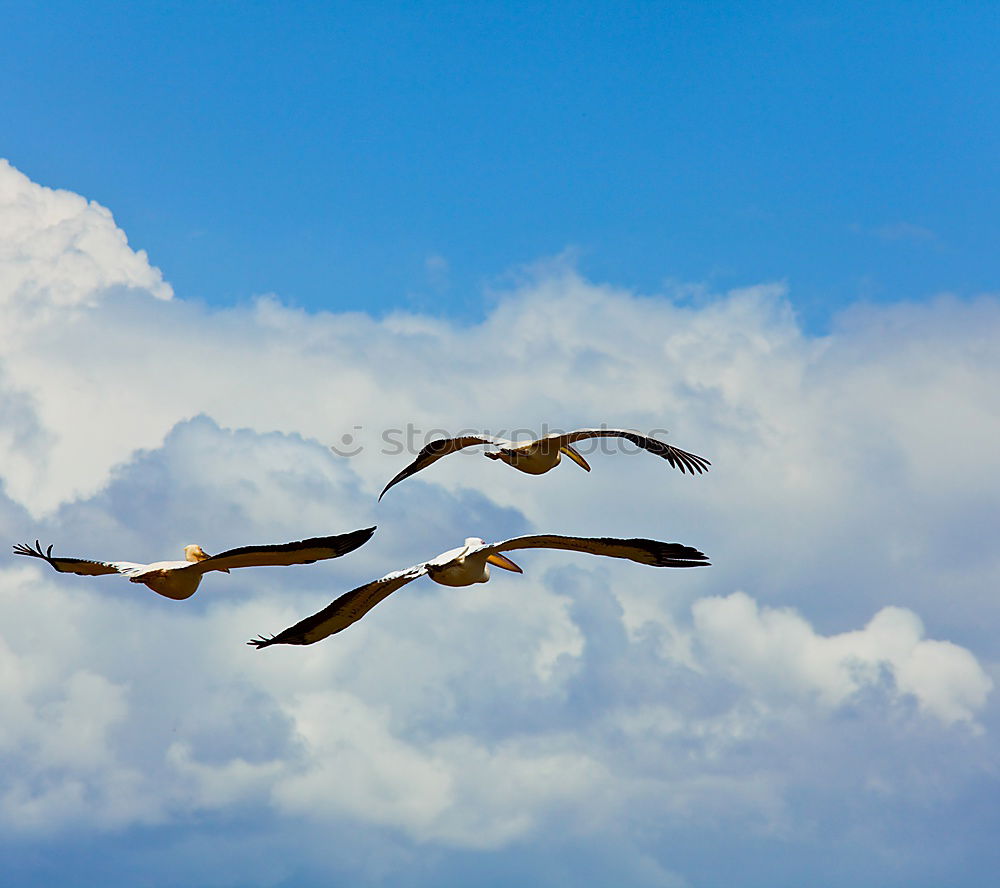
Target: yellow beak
573, 455
503, 561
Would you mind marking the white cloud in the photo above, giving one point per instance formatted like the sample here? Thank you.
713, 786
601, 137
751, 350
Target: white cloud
775, 652
59, 250
852, 478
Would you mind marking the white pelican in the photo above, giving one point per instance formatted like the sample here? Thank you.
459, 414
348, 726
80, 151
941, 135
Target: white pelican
539, 456
179, 579
470, 564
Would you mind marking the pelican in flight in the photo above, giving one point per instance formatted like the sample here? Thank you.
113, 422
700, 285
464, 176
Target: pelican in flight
179, 579
470, 564
539, 456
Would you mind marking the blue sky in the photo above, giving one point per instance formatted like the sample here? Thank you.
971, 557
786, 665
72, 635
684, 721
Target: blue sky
233, 233
374, 156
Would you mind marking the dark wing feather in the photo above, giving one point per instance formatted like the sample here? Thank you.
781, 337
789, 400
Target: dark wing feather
339, 614
651, 552
679, 459
281, 554
435, 450
81, 566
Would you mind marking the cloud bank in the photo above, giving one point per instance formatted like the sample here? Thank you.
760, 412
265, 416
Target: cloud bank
823, 693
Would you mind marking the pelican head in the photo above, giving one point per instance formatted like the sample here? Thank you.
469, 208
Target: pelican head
194, 552
494, 558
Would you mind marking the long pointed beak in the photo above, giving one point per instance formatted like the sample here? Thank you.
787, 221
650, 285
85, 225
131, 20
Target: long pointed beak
573, 455
504, 562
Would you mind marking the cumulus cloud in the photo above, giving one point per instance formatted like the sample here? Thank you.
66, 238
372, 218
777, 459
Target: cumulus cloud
777, 653
59, 250
601, 707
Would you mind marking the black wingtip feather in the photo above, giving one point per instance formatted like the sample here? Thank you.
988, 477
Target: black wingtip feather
675, 554
36, 552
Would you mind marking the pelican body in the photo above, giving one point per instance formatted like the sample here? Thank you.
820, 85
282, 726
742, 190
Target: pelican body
470, 564
538, 457
467, 564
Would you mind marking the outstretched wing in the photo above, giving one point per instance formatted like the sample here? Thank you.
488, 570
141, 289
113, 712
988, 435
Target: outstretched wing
651, 552
82, 566
301, 552
339, 614
679, 459
436, 449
